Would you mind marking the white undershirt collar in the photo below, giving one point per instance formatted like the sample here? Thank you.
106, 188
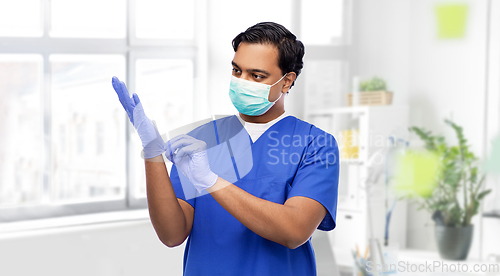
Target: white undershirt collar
255, 130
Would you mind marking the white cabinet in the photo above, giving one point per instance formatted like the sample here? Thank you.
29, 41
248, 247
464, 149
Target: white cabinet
370, 128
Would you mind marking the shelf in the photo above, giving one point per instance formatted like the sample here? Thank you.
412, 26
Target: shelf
367, 128
339, 110
492, 214
352, 161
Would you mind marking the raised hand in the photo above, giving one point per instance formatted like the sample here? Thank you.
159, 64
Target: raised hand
151, 140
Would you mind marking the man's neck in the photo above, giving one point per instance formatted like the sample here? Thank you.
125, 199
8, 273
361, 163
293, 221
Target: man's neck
270, 115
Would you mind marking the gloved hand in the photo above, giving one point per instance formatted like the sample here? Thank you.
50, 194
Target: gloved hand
190, 156
151, 140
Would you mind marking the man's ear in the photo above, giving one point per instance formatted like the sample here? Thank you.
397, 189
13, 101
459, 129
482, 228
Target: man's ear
289, 78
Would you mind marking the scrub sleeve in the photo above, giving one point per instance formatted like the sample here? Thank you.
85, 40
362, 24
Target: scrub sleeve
318, 175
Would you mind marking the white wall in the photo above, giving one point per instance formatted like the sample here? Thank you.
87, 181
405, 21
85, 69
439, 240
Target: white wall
130, 248
438, 78
447, 81
447, 76
383, 42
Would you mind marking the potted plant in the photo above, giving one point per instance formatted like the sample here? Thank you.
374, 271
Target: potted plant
374, 92
457, 192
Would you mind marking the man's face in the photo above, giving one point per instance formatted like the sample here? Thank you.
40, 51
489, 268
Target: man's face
259, 63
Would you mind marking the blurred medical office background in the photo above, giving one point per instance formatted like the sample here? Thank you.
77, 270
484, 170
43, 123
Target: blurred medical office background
72, 186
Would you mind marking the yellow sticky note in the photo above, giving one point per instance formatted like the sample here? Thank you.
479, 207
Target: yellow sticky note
417, 173
451, 20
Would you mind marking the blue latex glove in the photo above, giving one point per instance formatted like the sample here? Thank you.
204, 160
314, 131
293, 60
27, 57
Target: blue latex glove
151, 140
190, 156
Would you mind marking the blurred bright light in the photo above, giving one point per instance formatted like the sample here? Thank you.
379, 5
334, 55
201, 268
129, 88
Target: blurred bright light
88, 128
89, 19
164, 19
322, 21
21, 18
21, 128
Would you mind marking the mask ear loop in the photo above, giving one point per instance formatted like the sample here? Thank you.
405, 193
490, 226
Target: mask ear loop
285, 86
279, 79
281, 94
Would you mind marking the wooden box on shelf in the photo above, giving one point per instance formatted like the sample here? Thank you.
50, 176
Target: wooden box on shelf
372, 98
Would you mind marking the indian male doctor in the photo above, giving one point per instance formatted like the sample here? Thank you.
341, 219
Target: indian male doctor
261, 222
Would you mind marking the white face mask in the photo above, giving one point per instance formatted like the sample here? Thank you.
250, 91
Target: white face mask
251, 98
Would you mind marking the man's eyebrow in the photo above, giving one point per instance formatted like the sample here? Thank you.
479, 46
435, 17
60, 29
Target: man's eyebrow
235, 65
259, 71
252, 70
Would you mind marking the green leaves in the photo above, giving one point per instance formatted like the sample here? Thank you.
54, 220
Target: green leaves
432, 143
482, 195
374, 84
457, 178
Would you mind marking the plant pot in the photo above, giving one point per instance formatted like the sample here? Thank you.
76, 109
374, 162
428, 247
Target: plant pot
371, 98
454, 242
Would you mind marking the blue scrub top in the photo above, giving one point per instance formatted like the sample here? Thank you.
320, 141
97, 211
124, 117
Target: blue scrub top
292, 158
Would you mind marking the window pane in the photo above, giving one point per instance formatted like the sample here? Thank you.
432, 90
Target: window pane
21, 18
21, 130
165, 87
241, 15
165, 19
88, 128
326, 83
322, 21
90, 18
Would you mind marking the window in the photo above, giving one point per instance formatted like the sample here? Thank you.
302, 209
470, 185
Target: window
169, 81
67, 146
159, 19
89, 18
328, 14
21, 157
82, 109
326, 30
21, 18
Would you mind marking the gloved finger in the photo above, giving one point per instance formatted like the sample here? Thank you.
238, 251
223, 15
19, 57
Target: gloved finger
179, 137
187, 151
117, 87
177, 160
122, 92
136, 99
169, 150
172, 145
123, 96
178, 143
180, 140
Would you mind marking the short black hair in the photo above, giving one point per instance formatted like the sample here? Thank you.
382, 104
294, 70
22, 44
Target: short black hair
290, 49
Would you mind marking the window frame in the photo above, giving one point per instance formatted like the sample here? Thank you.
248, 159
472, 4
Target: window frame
343, 50
186, 53
131, 49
